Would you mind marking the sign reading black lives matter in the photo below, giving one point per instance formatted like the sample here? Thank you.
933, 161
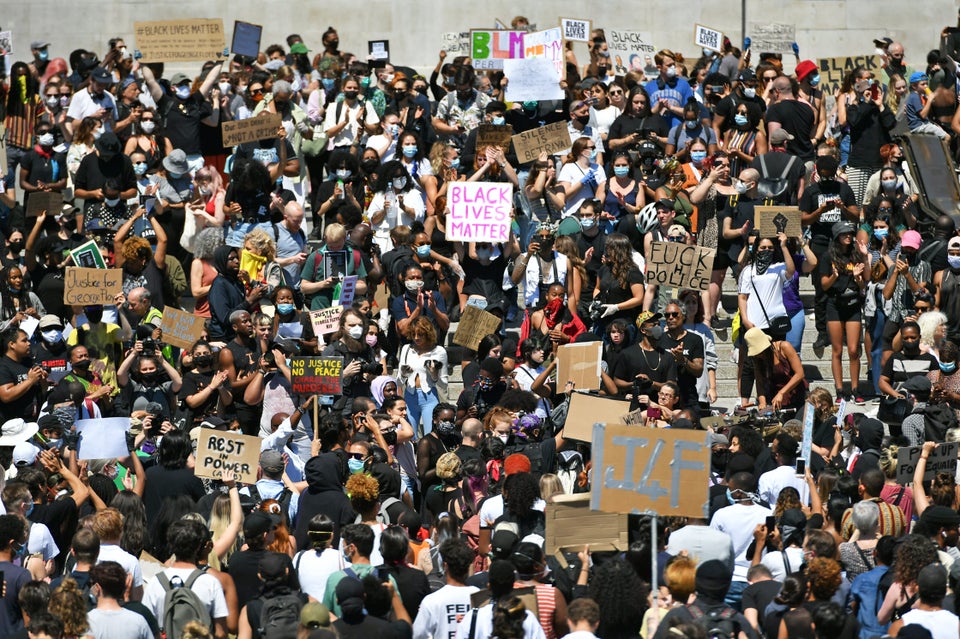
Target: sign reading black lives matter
680, 265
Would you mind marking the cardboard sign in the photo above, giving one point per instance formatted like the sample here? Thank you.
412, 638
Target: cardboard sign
772, 38
571, 525
770, 220
943, 459
680, 265
246, 39
707, 38
490, 47
630, 50
479, 211
219, 450
180, 40
834, 70
475, 324
547, 44
103, 438
494, 135
552, 138
326, 320
580, 364
532, 79
455, 42
575, 30
587, 410
635, 417
378, 50
91, 286
181, 329
348, 289
259, 127
40, 201
316, 375
88, 255
638, 470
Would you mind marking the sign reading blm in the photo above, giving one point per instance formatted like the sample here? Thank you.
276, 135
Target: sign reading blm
180, 40
680, 265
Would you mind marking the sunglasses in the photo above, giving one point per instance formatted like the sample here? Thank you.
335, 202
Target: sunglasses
589, 147
256, 91
671, 314
357, 456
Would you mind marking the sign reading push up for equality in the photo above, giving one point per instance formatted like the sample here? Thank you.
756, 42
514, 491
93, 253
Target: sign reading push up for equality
680, 265
479, 211
180, 40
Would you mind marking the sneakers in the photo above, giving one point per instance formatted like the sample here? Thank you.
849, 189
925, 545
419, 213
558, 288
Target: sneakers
822, 341
839, 398
859, 401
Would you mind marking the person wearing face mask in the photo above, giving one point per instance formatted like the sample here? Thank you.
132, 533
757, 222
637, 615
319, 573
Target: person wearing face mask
745, 93
947, 283
485, 393
579, 127
483, 265
670, 91
423, 369
461, 110
111, 213
344, 185
438, 465
412, 109
129, 108
643, 367
581, 174
808, 77
283, 101
494, 113
42, 168
871, 123
17, 302
905, 281
621, 196
346, 122
156, 380
945, 382
397, 202
96, 168
907, 363
204, 390
541, 265
681, 137
93, 101
14, 244
82, 372
359, 360
145, 138
319, 285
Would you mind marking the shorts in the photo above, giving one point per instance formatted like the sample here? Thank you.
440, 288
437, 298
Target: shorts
838, 313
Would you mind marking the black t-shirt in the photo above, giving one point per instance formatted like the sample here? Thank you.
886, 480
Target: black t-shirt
194, 382
845, 286
183, 118
366, 628
613, 292
692, 349
93, 173
60, 516
814, 196
796, 118
657, 364
52, 357
163, 483
41, 169
245, 360
740, 211
483, 400
412, 585
465, 453
266, 152
776, 163
759, 594
244, 566
625, 125
25, 406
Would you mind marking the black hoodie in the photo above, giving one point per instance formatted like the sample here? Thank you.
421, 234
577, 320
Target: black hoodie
869, 439
324, 494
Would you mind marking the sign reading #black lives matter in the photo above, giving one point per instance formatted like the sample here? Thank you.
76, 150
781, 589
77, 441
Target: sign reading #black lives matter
180, 40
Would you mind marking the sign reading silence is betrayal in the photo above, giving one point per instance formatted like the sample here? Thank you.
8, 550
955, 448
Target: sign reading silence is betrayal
680, 265
316, 375
479, 211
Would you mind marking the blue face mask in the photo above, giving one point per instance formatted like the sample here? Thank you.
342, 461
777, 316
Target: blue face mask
740, 120
498, 120
423, 251
621, 171
881, 233
356, 466
174, 176
183, 92
285, 309
593, 153
948, 368
30, 509
815, 80
455, 163
730, 498
328, 84
690, 124
410, 151
140, 168
588, 223
44, 55
698, 156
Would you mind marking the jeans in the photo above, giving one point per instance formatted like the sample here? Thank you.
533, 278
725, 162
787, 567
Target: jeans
876, 352
14, 155
420, 406
795, 334
734, 597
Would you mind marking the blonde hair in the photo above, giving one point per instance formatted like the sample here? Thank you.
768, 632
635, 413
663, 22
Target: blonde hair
888, 461
219, 522
335, 232
437, 153
262, 243
131, 246
550, 487
68, 604
195, 630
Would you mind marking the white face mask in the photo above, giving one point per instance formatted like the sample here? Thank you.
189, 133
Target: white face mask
148, 126
45, 140
413, 285
356, 332
741, 187
224, 87
749, 92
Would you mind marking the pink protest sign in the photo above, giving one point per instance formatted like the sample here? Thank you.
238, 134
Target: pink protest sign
479, 211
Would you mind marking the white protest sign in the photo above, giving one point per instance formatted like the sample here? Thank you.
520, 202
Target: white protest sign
807, 445
771, 37
347, 290
532, 79
479, 211
455, 42
545, 44
575, 30
630, 50
103, 438
707, 38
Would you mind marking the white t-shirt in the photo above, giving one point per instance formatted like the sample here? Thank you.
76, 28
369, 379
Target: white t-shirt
82, 104
130, 564
768, 295
314, 570
484, 628
440, 612
349, 132
118, 624
942, 624
207, 588
572, 172
387, 201
739, 521
41, 541
773, 481
774, 562
492, 509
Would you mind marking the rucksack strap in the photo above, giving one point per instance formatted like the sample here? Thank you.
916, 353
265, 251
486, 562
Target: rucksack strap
192, 578
896, 502
786, 170
473, 624
763, 166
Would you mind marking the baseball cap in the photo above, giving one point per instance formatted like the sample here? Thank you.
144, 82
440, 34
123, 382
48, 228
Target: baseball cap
39, 44
918, 76
839, 228
179, 78
911, 239
101, 76
747, 75
299, 47
780, 136
50, 321
258, 523
271, 461
24, 454
503, 542
315, 615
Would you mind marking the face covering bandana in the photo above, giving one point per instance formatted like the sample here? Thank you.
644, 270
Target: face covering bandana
356, 332
763, 260
252, 264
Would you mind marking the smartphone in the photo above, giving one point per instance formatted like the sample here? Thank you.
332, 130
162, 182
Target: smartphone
144, 198
875, 91
771, 523
653, 413
801, 467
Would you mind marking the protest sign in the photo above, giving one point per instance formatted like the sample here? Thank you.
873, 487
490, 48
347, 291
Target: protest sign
261, 127
575, 30
479, 211
246, 39
770, 220
348, 289
102, 438
680, 265
326, 320
634, 417
638, 469
40, 201
179, 328
707, 38
552, 138
772, 37
546, 44
316, 375
6, 42
630, 50
91, 286
378, 50
834, 70
580, 364
490, 47
475, 324
180, 40
532, 79
570, 525
88, 255
219, 450
494, 135
942, 459
807, 444
455, 42
587, 410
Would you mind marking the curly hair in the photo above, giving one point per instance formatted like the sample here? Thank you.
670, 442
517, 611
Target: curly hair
363, 491
888, 461
619, 257
438, 153
617, 588
942, 490
788, 498
522, 490
131, 246
424, 327
508, 616
823, 575
913, 553
262, 243
67, 603
207, 241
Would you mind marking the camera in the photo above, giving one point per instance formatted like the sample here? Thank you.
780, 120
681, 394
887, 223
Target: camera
270, 359
595, 310
155, 411
642, 387
372, 368
149, 346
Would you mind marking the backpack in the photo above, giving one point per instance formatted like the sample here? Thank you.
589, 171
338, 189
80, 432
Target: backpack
383, 516
719, 623
283, 499
278, 618
769, 187
181, 604
937, 420
569, 466
533, 452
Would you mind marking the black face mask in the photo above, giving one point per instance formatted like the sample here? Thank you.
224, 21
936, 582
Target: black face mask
911, 349
583, 119
390, 437
149, 379
81, 365
333, 44
202, 361
350, 95
718, 460
369, 165
17, 246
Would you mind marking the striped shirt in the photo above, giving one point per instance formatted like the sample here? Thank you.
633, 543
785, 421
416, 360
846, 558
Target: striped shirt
892, 521
20, 127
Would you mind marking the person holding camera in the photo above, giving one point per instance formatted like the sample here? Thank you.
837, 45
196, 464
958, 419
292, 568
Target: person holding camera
148, 383
360, 363
205, 390
19, 384
423, 366
643, 368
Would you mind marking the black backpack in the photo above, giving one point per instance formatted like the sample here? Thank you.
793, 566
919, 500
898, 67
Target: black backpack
771, 187
275, 617
533, 452
720, 623
937, 420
